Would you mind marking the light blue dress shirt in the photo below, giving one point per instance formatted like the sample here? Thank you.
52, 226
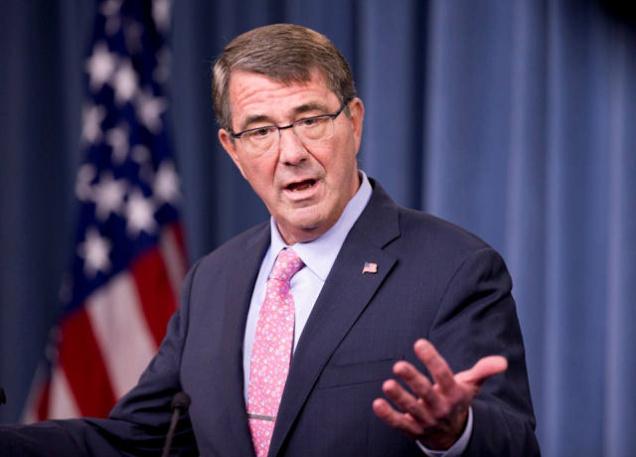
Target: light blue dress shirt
318, 256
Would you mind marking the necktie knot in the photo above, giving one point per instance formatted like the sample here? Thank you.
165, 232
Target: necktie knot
287, 264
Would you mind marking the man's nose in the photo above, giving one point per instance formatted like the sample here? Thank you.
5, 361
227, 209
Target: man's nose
291, 150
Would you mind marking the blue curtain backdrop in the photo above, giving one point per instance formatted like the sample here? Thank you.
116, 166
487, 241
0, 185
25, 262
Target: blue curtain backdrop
514, 119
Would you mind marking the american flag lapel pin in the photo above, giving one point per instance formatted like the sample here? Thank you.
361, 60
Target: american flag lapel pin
370, 267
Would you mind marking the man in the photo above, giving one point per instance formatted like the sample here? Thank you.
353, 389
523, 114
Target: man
347, 325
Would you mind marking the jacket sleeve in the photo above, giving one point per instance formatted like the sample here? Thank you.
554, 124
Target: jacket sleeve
477, 317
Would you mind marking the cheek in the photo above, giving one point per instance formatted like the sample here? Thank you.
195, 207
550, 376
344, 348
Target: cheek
340, 164
328, 159
260, 175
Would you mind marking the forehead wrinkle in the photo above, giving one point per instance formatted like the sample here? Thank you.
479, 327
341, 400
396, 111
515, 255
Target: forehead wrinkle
246, 88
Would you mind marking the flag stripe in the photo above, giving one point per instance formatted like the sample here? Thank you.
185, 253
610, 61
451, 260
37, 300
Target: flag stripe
37, 403
116, 314
80, 358
62, 403
155, 292
43, 403
180, 238
172, 250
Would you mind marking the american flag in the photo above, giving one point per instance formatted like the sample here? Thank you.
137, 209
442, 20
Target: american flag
129, 255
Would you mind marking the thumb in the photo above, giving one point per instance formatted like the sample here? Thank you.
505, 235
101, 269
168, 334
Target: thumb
482, 370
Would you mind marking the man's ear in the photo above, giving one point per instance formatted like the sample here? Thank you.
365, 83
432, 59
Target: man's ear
356, 113
229, 144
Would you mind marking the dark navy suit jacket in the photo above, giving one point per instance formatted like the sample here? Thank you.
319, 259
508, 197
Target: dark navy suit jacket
434, 280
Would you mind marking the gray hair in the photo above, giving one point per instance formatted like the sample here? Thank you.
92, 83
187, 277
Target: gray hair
286, 53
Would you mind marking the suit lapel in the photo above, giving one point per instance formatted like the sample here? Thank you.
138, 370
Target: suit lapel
241, 276
345, 295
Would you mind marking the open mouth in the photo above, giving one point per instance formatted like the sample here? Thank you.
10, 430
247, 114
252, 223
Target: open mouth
301, 185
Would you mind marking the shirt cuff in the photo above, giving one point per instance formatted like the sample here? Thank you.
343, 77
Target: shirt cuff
460, 445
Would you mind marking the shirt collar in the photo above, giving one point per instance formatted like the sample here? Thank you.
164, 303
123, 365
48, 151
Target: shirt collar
320, 254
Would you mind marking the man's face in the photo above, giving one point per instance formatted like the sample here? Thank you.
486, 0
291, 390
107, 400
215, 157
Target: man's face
305, 187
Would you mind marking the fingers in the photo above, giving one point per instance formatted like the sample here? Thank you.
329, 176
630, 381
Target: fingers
396, 419
422, 407
436, 365
482, 370
435, 409
416, 405
485, 368
418, 383
431, 404
436, 427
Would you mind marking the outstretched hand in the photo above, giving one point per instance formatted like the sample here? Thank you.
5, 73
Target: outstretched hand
433, 413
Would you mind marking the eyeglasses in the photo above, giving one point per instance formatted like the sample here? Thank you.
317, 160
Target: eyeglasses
309, 130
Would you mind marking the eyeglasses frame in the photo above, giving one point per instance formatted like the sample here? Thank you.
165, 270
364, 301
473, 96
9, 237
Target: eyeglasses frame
332, 116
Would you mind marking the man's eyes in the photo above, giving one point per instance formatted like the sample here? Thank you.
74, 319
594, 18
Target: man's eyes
310, 121
260, 131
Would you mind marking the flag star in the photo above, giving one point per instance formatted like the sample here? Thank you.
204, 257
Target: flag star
83, 189
161, 14
112, 25
95, 251
166, 185
100, 66
92, 117
125, 83
141, 154
110, 9
117, 138
149, 109
140, 214
133, 32
109, 196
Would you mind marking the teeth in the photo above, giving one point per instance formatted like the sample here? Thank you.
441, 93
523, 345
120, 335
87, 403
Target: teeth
302, 185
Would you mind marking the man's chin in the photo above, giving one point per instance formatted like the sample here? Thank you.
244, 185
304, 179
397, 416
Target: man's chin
308, 229
302, 228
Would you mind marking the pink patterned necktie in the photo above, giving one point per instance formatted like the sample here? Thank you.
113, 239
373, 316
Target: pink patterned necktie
272, 351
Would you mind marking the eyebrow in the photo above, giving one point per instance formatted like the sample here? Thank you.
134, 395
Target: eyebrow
254, 119
311, 106
302, 109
